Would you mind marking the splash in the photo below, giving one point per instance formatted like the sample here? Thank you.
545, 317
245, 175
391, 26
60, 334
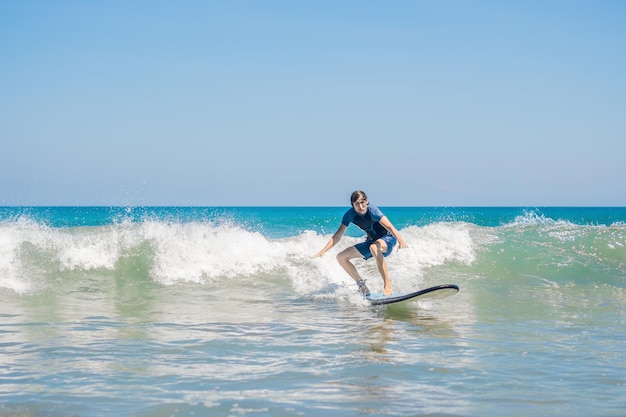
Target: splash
34, 256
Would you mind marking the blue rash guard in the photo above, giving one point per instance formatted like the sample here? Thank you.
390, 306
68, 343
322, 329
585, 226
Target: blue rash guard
370, 224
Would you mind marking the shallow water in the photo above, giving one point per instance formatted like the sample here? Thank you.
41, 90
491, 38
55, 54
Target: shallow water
188, 315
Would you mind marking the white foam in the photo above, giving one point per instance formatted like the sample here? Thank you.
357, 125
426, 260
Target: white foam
199, 251
316, 275
97, 249
10, 267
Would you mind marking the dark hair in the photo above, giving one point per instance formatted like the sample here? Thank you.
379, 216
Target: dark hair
356, 195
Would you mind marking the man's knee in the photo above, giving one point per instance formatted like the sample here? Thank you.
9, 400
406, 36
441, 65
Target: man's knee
342, 257
339, 257
375, 249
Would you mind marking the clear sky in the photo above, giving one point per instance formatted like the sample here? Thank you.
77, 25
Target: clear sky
298, 103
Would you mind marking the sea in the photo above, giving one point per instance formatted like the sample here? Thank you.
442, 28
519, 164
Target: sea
222, 311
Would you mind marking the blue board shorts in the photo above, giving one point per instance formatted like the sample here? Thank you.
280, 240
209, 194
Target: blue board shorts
364, 247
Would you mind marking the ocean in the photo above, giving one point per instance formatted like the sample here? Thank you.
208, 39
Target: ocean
221, 311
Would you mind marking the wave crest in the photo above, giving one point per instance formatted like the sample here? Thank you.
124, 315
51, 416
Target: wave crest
34, 255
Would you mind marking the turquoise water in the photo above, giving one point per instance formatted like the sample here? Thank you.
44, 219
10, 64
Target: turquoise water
221, 311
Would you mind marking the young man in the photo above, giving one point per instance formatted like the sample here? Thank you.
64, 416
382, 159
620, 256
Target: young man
382, 236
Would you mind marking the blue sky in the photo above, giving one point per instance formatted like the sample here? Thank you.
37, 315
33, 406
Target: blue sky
419, 103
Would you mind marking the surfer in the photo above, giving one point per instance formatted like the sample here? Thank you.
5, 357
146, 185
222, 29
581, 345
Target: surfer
382, 236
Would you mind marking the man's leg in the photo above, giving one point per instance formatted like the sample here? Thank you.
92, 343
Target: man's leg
344, 257
378, 248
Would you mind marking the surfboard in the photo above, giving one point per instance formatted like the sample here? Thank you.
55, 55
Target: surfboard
438, 291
